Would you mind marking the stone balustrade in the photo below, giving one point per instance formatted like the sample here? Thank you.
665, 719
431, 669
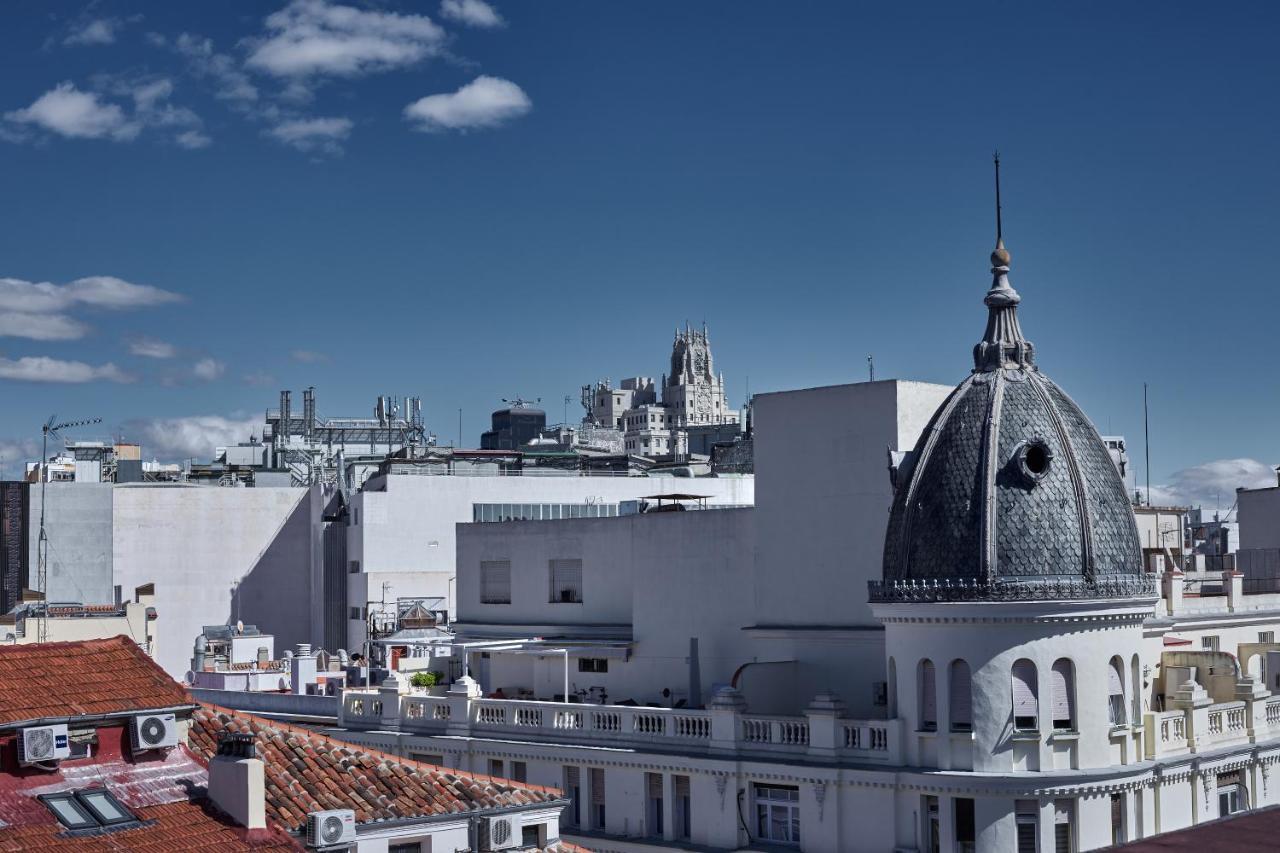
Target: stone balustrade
821, 733
1182, 731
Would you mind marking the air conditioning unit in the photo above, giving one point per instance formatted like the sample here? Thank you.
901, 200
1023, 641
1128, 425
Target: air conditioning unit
499, 833
332, 827
43, 743
154, 731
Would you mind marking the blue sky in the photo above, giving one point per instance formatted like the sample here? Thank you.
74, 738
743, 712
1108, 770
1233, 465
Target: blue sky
206, 203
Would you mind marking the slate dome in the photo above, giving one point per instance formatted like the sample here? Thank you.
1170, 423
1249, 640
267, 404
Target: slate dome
1010, 492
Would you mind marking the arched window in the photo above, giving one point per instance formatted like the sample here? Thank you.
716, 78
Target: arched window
961, 697
1064, 695
1135, 678
928, 694
1115, 692
1026, 701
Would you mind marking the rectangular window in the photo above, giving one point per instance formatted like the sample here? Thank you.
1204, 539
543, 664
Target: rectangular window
653, 803
597, 798
1231, 794
529, 835
777, 810
593, 664
573, 790
495, 581
681, 815
354, 567
519, 771
1266, 636
1064, 834
1209, 643
434, 758
495, 767
1117, 819
1027, 826
355, 613
405, 847
966, 826
933, 826
88, 809
566, 581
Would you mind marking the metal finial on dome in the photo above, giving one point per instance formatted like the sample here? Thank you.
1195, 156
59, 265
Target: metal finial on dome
1003, 344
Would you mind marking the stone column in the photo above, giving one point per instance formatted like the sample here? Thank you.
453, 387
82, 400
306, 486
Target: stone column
725, 708
1194, 701
826, 735
460, 694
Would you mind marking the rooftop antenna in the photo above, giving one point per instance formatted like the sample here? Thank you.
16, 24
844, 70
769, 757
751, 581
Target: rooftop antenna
871, 369
1146, 439
50, 427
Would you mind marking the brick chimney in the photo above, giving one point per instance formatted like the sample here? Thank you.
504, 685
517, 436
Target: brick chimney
237, 781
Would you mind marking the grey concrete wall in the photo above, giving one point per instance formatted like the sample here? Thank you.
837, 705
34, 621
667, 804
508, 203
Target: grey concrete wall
78, 518
196, 542
1259, 518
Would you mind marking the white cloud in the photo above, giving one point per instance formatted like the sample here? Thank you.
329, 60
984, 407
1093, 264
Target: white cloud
15, 453
192, 139
96, 31
230, 83
39, 368
151, 348
473, 13
307, 356
40, 327
313, 134
1213, 484
484, 102
312, 37
259, 379
67, 111
175, 439
100, 291
208, 369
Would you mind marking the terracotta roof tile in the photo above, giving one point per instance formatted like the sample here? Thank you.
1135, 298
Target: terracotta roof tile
308, 772
82, 678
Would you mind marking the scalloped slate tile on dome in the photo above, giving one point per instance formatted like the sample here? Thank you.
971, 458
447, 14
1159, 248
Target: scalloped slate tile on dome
1010, 492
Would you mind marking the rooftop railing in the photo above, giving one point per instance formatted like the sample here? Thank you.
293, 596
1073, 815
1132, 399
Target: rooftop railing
716, 730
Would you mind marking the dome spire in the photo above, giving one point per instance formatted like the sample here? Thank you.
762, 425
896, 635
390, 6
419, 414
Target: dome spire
1003, 344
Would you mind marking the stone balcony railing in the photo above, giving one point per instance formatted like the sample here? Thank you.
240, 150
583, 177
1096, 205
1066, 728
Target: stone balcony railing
725, 728
1204, 726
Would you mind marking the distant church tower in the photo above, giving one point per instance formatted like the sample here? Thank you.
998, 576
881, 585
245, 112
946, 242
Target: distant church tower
692, 392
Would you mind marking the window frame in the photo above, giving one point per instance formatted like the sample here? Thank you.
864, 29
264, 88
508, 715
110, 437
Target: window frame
1033, 688
764, 812
94, 817
490, 577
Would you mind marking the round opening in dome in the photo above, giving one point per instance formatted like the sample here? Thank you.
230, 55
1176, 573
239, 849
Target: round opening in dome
1034, 458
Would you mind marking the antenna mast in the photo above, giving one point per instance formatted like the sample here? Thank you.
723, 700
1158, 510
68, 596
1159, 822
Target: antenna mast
999, 229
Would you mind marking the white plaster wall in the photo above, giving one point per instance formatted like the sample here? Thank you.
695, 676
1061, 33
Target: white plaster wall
79, 529
821, 459
194, 542
410, 526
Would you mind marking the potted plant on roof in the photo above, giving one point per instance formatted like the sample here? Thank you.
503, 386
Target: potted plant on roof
423, 681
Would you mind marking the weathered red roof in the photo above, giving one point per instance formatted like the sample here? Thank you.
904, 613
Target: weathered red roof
168, 791
1255, 830
308, 772
82, 678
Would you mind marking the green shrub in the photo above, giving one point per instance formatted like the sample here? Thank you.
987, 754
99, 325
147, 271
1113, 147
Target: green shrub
424, 679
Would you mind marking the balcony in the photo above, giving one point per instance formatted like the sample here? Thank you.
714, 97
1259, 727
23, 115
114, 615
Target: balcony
724, 729
1212, 726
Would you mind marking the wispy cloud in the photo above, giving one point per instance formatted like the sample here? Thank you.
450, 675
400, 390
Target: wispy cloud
484, 102
307, 356
151, 348
93, 31
208, 369
259, 379
72, 113
230, 83
1213, 484
473, 13
175, 439
15, 453
39, 368
69, 112
313, 134
314, 37
100, 291
40, 327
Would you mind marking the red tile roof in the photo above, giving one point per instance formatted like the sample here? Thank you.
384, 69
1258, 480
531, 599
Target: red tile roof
308, 772
188, 825
169, 791
1255, 830
82, 678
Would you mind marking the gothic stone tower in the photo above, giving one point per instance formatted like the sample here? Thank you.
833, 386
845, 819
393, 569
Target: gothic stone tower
693, 392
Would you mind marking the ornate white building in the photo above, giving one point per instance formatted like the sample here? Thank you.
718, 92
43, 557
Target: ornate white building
1016, 680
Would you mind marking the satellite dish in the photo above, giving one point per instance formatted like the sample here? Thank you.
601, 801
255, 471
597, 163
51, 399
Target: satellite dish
239, 627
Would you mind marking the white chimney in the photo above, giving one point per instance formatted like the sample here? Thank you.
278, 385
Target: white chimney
237, 783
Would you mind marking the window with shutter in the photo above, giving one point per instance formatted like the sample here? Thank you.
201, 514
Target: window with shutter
566, 581
1064, 696
1115, 692
1063, 826
495, 581
653, 807
1027, 822
1026, 704
961, 695
928, 697
597, 798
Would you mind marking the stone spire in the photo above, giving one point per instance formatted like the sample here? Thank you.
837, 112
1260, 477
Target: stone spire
1003, 344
